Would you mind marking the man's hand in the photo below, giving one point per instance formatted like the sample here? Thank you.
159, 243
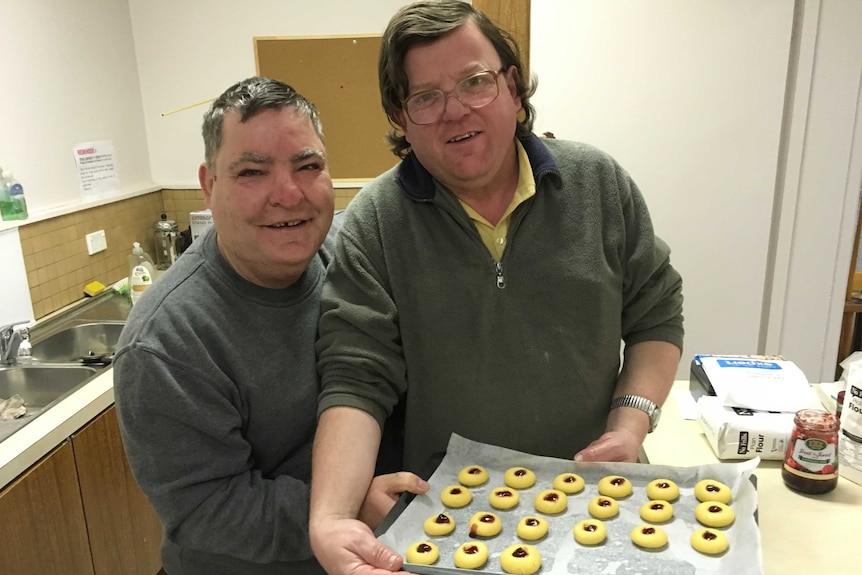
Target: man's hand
348, 547
384, 492
617, 445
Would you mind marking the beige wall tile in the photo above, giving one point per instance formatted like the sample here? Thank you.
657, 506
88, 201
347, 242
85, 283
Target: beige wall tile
55, 250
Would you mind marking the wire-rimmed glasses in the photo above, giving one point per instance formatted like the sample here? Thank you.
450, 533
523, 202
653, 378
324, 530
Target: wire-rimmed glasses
474, 92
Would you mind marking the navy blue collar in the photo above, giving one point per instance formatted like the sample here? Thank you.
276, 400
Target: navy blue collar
418, 183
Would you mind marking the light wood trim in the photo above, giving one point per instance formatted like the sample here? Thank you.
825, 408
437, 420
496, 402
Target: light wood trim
514, 17
42, 528
125, 533
850, 322
852, 272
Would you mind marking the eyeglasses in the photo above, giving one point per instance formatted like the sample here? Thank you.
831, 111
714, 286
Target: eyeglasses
474, 92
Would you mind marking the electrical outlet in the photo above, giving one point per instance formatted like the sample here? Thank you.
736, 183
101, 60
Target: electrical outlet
96, 242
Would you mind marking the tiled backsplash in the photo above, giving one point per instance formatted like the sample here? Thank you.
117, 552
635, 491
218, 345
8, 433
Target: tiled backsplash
55, 251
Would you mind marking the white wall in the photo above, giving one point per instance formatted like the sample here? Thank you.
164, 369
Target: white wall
690, 98
68, 75
16, 305
808, 297
688, 95
192, 50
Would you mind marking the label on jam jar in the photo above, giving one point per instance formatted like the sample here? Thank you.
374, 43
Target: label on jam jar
815, 456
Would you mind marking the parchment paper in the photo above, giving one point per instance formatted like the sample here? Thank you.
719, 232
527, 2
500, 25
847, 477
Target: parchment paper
560, 553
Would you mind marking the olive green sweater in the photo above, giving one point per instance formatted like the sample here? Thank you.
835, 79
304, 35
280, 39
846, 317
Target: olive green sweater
523, 354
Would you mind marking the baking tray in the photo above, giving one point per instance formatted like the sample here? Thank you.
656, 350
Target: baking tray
560, 553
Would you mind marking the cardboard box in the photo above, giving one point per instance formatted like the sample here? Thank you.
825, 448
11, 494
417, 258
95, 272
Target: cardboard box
199, 222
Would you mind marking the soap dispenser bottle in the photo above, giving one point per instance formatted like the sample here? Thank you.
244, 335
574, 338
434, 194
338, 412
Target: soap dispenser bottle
140, 272
13, 205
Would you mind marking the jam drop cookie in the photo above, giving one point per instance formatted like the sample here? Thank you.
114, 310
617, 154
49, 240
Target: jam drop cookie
603, 507
471, 555
714, 514
456, 496
709, 541
504, 498
423, 553
656, 511
519, 478
663, 490
550, 501
521, 559
532, 528
712, 490
485, 524
473, 475
649, 536
590, 532
615, 486
569, 483
440, 524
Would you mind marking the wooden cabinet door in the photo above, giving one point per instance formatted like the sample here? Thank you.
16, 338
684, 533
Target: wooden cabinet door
125, 533
42, 528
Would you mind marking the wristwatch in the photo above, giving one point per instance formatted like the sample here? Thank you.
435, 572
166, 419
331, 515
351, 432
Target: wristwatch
641, 403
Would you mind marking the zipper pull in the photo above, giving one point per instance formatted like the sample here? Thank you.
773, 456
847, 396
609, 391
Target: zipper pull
501, 282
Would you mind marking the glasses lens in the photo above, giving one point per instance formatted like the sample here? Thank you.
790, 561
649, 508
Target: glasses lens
426, 107
476, 91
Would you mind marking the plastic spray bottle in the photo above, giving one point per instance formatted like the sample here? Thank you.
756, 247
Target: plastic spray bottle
141, 269
13, 206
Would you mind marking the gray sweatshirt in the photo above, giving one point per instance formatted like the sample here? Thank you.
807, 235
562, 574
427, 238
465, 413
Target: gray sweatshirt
523, 353
216, 393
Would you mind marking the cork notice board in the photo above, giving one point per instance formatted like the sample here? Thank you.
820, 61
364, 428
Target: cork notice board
338, 74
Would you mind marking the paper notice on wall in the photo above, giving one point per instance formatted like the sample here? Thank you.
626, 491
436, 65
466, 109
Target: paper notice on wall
97, 168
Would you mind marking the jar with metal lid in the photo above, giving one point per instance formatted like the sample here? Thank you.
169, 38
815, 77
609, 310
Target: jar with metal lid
165, 233
811, 459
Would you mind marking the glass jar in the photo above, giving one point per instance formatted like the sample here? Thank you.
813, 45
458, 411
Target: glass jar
811, 459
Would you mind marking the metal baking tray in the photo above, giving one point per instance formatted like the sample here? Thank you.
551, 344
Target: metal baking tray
560, 553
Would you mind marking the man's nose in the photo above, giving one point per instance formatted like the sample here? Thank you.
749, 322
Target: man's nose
286, 191
457, 108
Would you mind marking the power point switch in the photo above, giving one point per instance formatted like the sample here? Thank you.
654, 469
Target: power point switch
96, 242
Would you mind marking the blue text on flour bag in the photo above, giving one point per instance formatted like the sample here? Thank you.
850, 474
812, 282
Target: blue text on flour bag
748, 363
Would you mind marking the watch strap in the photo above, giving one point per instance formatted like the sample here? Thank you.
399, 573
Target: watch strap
636, 401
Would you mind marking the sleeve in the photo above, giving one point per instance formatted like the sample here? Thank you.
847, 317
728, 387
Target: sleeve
182, 434
652, 288
360, 357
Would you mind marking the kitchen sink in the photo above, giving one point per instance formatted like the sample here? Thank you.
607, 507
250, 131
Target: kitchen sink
41, 386
88, 342
67, 350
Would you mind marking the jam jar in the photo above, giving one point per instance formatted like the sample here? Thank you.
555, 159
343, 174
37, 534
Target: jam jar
811, 460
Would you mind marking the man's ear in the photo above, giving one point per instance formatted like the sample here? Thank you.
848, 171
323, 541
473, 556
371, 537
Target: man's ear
206, 179
511, 83
399, 119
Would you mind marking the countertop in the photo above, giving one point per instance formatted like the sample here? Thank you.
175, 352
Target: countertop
36, 439
799, 533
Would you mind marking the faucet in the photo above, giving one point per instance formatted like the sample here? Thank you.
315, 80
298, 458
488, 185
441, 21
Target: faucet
11, 337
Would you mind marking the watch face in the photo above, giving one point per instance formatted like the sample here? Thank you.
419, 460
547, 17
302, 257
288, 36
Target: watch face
654, 417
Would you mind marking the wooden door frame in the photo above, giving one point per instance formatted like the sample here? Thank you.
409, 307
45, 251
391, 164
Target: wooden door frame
514, 17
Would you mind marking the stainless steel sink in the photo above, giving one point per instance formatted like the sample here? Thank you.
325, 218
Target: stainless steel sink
61, 348
77, 342
41, 386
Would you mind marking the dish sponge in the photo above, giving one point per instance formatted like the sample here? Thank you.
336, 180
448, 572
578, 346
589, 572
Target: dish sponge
93, 288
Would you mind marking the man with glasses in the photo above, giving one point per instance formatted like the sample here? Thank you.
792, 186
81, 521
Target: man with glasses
484, 285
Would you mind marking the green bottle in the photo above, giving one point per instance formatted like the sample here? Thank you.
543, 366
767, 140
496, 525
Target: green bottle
6, 210
13, 205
